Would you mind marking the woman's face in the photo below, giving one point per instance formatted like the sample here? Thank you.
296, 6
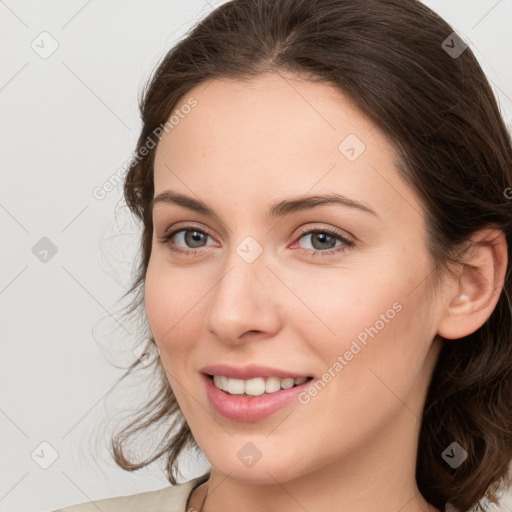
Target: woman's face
337, 291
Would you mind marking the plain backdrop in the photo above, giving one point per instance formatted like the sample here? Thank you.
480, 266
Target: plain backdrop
71, 76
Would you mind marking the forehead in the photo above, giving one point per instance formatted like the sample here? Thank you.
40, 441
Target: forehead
276, 135
272, 112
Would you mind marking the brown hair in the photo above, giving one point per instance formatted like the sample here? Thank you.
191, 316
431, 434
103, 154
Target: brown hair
439, 112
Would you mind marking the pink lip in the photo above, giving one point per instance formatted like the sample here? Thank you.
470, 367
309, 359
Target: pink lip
247, 408
249, 372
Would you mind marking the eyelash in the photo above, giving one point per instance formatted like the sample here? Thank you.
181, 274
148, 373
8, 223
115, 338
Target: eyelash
167, 239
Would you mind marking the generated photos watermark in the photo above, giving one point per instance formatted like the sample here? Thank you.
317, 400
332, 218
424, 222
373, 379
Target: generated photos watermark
100, 192
357, 345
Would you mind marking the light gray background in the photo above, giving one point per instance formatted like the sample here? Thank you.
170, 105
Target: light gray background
69, 122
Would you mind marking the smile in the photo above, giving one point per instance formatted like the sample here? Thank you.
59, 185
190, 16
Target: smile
256, 386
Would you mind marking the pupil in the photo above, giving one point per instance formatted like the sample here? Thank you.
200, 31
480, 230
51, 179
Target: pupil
194, 238
323, 237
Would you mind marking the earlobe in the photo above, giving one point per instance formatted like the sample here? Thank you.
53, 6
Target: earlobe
480, 283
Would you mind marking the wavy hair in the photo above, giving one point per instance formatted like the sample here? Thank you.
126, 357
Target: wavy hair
393, 59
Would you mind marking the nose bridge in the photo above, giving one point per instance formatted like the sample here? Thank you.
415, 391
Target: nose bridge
242, 300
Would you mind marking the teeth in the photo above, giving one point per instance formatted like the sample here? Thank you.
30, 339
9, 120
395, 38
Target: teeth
256, 386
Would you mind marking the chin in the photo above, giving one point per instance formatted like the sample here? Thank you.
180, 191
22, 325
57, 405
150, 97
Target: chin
263, 472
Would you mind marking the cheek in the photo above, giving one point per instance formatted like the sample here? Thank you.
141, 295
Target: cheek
173, 306
375, 318
372, 362
172, 300
338, 310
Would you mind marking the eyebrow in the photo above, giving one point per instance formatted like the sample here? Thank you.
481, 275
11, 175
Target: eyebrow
277, 209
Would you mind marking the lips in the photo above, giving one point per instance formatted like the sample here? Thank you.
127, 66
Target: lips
244, 408
250, 371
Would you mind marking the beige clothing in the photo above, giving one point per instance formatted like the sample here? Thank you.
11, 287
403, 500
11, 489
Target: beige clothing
169, 499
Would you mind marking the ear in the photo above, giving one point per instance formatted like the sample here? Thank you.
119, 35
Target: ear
473, 297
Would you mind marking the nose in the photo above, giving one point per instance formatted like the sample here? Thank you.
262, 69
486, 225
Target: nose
244, 304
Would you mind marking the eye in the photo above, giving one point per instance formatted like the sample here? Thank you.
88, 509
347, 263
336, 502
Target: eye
192, 238
323, 241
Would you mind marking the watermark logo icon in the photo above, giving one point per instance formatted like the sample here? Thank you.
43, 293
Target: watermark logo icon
454, 455
351, 147
249, 249
44, 250
44, 455
44, 45
454, 45
142, 353
249, 455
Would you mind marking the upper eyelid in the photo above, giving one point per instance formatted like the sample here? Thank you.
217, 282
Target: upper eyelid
185, 226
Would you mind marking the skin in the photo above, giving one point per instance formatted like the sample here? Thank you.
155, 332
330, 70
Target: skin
353, 446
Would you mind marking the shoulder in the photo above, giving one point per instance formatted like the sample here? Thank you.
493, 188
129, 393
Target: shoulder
169, 499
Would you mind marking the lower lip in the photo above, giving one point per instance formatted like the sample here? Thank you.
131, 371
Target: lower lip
246, 408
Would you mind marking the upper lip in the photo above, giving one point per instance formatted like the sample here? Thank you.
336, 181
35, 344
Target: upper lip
249, 372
